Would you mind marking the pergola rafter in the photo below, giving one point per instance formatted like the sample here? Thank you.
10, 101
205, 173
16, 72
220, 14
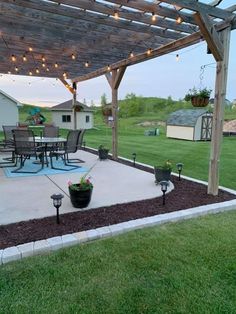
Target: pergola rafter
84, 39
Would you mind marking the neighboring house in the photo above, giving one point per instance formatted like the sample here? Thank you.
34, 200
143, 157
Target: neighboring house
63, 116
190, 124
9, 114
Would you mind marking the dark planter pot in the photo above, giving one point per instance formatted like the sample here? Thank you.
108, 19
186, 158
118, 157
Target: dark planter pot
103, 153
80, 199
199, 101
161, 175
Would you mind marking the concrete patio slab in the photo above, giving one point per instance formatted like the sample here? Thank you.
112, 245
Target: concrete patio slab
27, 198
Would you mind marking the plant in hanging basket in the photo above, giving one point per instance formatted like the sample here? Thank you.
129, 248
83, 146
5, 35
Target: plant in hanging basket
163, 173
198, 97
107, 110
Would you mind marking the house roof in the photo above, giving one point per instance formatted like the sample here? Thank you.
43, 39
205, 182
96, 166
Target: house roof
11, 98
68, 105
185, 117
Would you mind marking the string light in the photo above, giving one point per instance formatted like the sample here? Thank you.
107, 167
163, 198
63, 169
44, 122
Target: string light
43, 59
149, 51
37, 70
30, 49
43, 65
108, 67
116, 15
47, 69
179, 20
65, 75
73, 56
56, 65
16, 69
86, 64
131, 54
30, 73
154, 17
9, 72
24, 58
13, 58
177, 57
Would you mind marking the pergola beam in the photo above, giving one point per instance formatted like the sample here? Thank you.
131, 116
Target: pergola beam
64, 82
210, 34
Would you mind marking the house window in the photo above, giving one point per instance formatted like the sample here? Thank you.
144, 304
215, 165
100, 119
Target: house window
87, 119
66, 118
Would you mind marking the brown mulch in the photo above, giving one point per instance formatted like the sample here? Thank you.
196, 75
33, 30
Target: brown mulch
186, 194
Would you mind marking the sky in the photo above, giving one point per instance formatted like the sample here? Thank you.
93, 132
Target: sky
159, 77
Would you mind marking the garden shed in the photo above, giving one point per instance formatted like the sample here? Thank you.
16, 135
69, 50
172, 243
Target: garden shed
63, 115
190, 124
8, 110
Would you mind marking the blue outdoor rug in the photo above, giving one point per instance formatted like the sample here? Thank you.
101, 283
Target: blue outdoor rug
30, 166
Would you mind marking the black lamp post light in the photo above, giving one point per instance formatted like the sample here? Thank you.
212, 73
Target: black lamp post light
164, 186
179, 168
57, 201
134, 155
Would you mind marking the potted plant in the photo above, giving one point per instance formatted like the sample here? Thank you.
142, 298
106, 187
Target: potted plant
103, 152
81, 192
162, 173
199, 97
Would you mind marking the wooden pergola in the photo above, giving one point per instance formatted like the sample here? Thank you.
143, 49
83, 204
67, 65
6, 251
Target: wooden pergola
78, 40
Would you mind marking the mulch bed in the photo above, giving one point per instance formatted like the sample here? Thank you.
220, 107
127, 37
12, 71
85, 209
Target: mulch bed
186, 194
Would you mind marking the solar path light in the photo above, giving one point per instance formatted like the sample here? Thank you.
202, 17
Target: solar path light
57, 201
134, 155
164, 186
179, 168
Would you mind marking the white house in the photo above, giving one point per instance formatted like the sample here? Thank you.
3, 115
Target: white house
63, 115
9, 114
190, 124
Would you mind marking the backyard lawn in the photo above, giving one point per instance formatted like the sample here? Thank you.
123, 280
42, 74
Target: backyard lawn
186, 267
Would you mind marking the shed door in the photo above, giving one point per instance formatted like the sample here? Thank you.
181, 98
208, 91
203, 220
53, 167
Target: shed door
206, 128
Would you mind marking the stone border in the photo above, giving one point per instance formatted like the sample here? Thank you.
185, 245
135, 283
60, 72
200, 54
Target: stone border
55, 243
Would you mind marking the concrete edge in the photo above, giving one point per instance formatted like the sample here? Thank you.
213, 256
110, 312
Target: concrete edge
55, 243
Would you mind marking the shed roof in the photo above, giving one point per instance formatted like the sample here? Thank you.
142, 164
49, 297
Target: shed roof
185, 117
83, 37
19, 104
68, 105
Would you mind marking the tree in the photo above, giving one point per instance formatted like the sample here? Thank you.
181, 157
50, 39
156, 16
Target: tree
103, 99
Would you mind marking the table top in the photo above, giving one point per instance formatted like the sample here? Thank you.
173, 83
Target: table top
49, 140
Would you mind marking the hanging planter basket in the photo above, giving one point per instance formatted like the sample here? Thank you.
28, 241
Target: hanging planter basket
198, 101
107, 110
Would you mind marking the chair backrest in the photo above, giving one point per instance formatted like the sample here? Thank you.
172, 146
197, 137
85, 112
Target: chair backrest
81, 136
51, 131
72, 141
24, 141
8, 135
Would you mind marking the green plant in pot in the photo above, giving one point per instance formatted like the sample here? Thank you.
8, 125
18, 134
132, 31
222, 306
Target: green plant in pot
198, 97
81, 192
103, 152
163, 172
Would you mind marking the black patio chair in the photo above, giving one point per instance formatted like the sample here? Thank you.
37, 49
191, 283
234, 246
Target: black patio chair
51, 131
70, 146
79, 146
7, 146
25, 147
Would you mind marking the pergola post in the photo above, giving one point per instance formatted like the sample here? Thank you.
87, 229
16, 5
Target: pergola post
218, 114
114, 78
74, 104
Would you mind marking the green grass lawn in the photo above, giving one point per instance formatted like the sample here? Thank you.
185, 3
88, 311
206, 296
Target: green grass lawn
154, 150
186, 267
